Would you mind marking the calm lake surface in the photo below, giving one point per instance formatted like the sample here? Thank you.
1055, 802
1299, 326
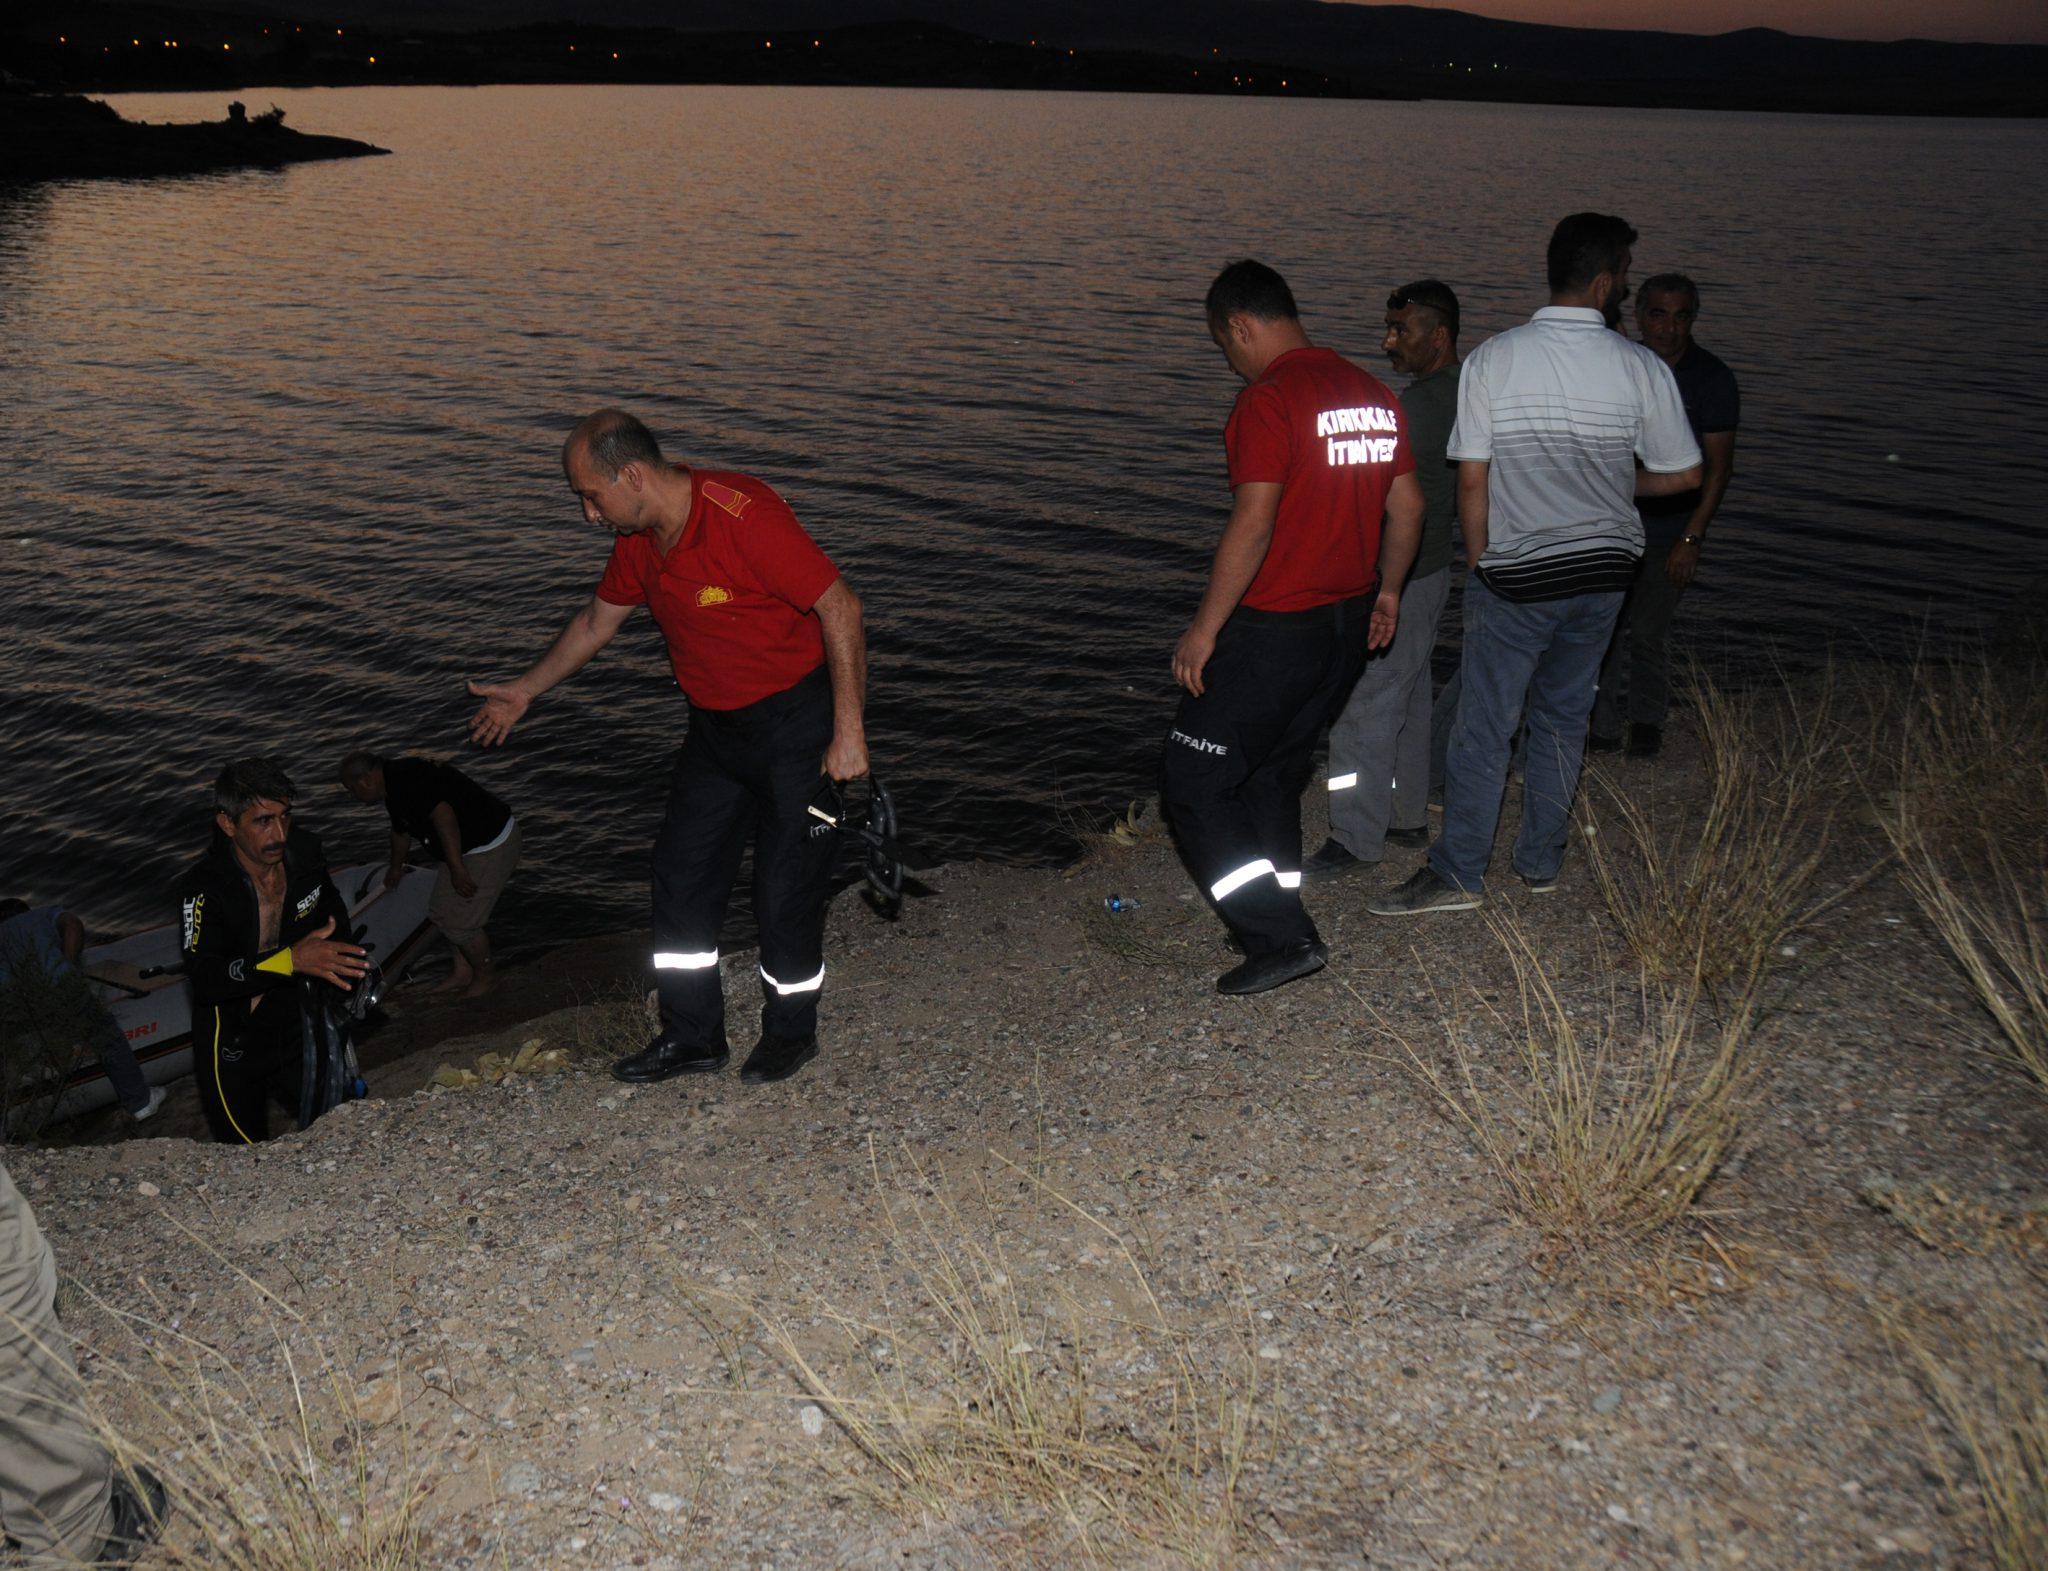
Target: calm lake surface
279, 465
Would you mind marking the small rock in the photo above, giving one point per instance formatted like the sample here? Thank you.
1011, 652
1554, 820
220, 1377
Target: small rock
1607, 1401
147, 1190
1269, 1351
812, 1417
667, 1505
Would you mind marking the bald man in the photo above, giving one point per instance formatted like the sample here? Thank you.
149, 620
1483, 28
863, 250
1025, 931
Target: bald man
766, 642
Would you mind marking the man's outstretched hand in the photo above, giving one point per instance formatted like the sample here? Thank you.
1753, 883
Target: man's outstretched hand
337, 961
503, 707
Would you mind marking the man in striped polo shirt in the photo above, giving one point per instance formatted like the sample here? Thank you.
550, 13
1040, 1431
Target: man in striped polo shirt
1553, 417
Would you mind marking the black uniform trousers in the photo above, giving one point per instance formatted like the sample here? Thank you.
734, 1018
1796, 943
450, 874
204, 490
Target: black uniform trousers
242, 1060
1239, 756
751, 771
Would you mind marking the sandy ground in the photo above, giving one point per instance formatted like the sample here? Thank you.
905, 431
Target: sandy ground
553, 1298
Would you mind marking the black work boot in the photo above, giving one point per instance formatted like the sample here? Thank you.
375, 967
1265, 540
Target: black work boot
665, 1057
777, 1058
1275, 968
1645, 741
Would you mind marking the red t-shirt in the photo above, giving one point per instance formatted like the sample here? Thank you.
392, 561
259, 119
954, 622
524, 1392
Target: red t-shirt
1334, 438
733, 596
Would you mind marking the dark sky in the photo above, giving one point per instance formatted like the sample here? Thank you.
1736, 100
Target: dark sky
1987, 21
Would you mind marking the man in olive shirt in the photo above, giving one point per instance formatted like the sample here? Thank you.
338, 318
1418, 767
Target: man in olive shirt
1674, 527
470, 830
1379, 745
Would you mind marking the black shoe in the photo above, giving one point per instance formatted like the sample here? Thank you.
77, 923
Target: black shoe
1409, 839
1423, 891
138, 1509
1535, 885
1276, 968
665, 1057
1330, 860
777, 1058
1645, 741
1597, 743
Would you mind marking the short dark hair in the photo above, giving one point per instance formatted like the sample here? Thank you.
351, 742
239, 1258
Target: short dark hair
11, 908
357, 766
1250, 288
1433, 296
248, 781
1670, 284
613, 439
1585, 245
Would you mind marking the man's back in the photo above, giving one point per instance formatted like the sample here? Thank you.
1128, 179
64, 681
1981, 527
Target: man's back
1560, 409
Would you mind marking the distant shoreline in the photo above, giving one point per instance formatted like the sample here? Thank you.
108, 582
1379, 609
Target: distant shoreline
113, 51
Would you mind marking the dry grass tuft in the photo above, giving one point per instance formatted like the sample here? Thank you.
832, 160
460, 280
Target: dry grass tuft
1968, 817
612, 1026
1617, 1112
1711, 894
1984, 1371
1141, 824
982, 1395
312, 1473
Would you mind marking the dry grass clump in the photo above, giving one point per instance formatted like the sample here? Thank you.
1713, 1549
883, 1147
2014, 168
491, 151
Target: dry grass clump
1617, 1112
1986, 1371
310, 1473
612, 1026
986, 1394
1711, 893
1968, 817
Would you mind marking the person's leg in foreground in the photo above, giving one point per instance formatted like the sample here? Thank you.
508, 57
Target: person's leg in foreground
60, 1498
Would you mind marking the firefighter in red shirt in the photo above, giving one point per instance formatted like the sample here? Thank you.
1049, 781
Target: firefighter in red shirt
1304, 583
766, 642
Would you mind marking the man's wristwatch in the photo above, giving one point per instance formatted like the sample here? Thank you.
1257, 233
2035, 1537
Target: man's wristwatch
1690, 539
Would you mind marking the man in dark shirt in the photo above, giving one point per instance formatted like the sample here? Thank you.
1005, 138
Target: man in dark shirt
1674, 527
471, 831
1380, 744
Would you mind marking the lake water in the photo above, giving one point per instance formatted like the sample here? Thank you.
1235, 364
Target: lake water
279, 465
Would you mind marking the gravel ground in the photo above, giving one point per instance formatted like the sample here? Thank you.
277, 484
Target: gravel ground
551, 1298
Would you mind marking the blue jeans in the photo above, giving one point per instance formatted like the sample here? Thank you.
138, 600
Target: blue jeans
1550, 651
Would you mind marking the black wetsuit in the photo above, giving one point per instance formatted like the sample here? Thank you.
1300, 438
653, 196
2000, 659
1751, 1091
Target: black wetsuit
250, 1014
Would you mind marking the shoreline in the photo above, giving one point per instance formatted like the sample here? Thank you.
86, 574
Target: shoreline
607, 1322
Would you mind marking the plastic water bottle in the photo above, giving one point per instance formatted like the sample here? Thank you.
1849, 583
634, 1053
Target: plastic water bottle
1118, 905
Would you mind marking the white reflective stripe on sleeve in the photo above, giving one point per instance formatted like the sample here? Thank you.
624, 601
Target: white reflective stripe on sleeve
1344, 782
1230, 882
1289, 880
696, 960
786, 988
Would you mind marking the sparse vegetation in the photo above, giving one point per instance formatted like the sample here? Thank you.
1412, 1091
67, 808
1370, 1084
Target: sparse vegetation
1710, 893
1968, 818
1618, 1110
307, 1470
1983, 1369
988, 1393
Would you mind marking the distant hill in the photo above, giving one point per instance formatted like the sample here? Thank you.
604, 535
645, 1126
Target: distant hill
1367, 49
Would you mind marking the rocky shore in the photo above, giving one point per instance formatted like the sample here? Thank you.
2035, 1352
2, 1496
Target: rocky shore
1054, 1257
60, 136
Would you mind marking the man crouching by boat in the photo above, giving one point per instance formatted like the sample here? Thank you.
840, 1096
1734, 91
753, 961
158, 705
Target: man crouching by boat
258, 918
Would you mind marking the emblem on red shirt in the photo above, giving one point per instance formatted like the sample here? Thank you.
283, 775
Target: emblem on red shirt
711, 594
734, 502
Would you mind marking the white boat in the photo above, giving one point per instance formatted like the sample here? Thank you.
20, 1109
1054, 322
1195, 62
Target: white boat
155, 1013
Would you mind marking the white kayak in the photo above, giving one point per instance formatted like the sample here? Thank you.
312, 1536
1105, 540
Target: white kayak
156, 1013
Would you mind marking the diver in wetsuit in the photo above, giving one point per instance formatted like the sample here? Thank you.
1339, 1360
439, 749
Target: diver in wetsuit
259, 916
